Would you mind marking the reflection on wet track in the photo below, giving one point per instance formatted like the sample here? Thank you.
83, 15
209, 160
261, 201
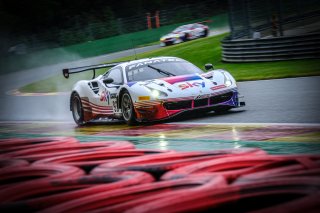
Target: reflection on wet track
274, 138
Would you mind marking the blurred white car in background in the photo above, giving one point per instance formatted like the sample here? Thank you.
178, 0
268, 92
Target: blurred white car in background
185, 33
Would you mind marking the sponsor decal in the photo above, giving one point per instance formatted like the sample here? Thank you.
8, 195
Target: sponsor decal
154, 61
144, 98
183, 78
113, 95
218, 87
105, 96
187, 85
115, 107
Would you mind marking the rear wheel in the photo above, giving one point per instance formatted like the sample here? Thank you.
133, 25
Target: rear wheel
77, 109
127, 109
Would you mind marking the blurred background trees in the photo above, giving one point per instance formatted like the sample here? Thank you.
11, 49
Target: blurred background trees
42, 24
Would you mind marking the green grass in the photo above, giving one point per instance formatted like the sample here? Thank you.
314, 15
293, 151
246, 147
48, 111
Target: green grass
97, 47
200, 52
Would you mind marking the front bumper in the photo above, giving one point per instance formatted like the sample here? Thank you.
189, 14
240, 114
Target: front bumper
170, 41
163, 109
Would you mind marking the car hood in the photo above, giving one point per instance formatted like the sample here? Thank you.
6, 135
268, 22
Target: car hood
184, 85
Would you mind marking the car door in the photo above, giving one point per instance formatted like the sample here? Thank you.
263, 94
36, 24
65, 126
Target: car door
111, 91
197, 31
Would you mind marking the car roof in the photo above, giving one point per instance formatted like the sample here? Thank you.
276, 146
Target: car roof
125, 64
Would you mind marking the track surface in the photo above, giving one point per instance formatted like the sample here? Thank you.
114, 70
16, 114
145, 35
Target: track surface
294, 100
290, 103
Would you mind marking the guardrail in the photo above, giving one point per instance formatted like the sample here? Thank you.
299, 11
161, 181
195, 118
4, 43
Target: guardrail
271, 49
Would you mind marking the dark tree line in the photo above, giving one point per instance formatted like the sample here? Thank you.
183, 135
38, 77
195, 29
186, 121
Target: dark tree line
40, 24
39, 15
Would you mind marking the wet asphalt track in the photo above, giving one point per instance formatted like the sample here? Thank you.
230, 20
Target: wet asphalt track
292, 100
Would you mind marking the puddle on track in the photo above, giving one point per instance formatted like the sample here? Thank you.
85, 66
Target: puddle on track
275, 139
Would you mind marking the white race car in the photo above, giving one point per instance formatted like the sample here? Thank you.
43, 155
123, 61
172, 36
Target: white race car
184, 33
151, 89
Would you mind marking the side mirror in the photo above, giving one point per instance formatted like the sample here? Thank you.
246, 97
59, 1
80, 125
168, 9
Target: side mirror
108, 80
208, 67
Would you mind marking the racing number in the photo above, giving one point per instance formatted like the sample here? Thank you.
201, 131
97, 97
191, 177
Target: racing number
115, 108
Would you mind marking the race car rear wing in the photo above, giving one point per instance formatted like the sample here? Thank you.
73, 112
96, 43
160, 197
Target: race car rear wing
67, 71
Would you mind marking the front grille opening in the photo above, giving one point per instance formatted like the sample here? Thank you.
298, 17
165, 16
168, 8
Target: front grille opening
178, 105
201, 102
221, 98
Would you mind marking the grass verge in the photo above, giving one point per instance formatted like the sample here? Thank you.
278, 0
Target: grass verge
199, 52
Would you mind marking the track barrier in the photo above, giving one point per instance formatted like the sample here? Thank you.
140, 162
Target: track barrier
242, 198
149, 191
60, 174
34, 196
14, 144
90, 159
33, 173
161, 163
9, 163
42, 152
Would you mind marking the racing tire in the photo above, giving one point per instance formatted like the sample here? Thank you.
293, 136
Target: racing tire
254, 197
185, 37
128, 109
92, 158
125, 198
205, 33
42, 152
77, 109
8, 163
35, 196
160, 164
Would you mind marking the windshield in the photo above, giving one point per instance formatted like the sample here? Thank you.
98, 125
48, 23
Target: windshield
181, 28
154, 69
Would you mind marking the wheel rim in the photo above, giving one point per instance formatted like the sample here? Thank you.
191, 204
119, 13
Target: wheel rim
76, 108
126, 107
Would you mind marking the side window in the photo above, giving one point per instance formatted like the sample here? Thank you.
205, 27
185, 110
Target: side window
116, 75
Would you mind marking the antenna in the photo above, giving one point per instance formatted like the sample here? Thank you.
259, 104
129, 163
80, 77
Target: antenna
134, 50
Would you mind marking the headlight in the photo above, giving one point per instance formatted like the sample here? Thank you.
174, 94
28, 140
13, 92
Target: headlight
228, 83
227, 80
156, 93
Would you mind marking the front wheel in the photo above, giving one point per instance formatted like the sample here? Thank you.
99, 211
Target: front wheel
185, 37
205, 33
127, 109
77, 109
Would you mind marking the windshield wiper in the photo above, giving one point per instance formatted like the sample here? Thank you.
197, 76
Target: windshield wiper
161, 71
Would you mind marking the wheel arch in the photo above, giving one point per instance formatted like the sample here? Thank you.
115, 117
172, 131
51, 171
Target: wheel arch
70, 100
122, 91
80, 89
